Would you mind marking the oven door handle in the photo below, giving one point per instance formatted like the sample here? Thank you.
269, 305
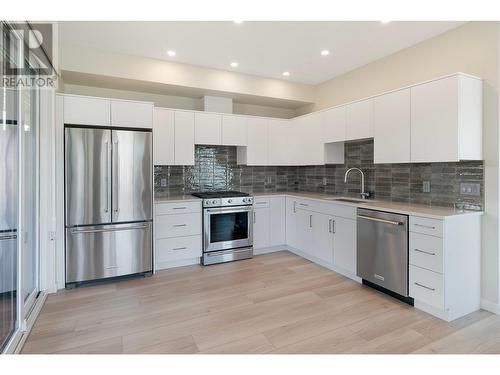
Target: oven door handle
229, 210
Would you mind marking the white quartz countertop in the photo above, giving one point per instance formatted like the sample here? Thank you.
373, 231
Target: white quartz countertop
382, 205
177, 198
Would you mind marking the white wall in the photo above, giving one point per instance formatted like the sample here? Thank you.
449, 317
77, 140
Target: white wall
472, 48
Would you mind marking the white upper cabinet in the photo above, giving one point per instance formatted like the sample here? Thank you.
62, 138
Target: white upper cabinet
184, 138
391, 127
256, 151
163, 137
131, 114
359, 120
334, 124
306, 144
83, 110
446, 120
279, 142
234, 130
208, 129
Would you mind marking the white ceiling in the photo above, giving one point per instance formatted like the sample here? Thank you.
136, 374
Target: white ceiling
261, 48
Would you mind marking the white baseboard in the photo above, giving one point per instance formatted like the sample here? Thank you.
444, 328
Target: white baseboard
272, 249
177, 263
490, 306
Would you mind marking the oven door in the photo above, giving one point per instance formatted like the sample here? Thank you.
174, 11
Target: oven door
227, 228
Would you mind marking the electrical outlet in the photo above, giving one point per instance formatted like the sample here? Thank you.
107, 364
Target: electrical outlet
163, 182
426, 186
468, 188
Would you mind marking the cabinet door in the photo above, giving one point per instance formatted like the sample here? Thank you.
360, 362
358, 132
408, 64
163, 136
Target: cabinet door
334, 123
163, 137
131, 114
304, 231
234, 130
344, 244
207, 129
434, 121
322, 235
391, 127
184, 138
86, 111
261, 229
291, 222
278, 142
277, 221
359, 120
257, 141
312, 140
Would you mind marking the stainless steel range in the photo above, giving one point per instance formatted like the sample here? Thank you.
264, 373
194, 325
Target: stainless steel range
227, 226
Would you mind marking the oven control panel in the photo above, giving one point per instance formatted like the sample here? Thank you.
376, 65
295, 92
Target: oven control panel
227, 202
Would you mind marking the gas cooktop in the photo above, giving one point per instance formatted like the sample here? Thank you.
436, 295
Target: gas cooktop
219, 194
224, 198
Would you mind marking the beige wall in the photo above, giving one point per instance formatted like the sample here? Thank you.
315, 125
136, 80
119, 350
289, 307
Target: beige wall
179, 102
159, 72
472, 48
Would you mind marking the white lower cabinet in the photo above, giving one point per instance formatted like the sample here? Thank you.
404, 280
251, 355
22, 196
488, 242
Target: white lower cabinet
304, 232
322, 237
261, 230
444, 271
177, 234
291, 222
344, 244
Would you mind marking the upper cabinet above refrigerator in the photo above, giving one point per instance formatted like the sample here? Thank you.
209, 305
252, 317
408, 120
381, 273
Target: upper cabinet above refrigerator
94, 111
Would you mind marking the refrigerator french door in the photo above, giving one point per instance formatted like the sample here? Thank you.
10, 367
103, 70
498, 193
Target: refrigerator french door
108, 196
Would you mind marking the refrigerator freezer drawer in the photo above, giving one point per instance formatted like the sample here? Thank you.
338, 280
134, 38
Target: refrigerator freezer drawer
104, 251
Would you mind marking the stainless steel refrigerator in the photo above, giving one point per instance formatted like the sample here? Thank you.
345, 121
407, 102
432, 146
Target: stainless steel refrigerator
108, 203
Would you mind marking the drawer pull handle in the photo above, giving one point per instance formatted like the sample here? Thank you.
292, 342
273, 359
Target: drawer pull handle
180, 248
426, 287
179, 208
303, 204
260, 202
424, 226
425, 252
180, 225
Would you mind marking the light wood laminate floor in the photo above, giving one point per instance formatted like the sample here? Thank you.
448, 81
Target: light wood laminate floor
273, 303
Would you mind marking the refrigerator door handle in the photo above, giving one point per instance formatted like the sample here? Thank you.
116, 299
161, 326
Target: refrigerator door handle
100, 230
116, 177
107, 175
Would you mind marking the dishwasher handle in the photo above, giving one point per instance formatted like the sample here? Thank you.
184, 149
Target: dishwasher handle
392, 222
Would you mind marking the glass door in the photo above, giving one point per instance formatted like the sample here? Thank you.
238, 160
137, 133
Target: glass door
9, 174
29, 196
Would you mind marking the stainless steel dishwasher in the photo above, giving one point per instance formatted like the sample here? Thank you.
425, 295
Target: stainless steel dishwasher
382, 251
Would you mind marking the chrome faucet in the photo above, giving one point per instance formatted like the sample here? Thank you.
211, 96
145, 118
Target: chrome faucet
364, 195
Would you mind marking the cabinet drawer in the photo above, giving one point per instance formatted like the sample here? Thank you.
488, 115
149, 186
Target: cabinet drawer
426, 252
177, 208
168, 226
344, 211
427, 286
424, 225
173, 249
261, 202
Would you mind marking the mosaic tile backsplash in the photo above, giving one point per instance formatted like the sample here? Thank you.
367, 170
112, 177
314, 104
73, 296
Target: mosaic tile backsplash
216, 169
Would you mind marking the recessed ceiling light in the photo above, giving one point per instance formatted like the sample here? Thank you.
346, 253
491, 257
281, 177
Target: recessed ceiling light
238, 22
234, 64
171, 53
325, 52
385, 21
286, 74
